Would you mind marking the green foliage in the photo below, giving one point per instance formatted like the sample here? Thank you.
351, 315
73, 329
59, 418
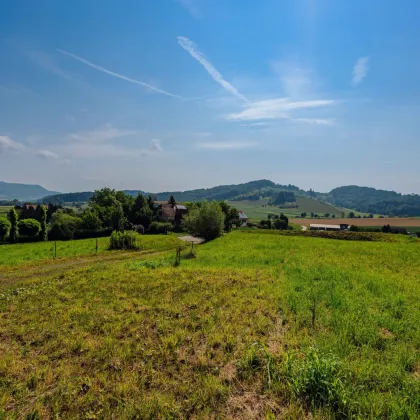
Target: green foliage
206, 222
29, 227
91, 220
43, 234
160, 227
141, 212
231, 215
14, 230
317, 379
127, 240
354, 228
5, 227
284, 197
63, 226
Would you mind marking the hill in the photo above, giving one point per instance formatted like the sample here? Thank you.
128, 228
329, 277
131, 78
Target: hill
371, 200
24, 192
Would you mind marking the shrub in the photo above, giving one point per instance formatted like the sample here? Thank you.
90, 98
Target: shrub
124, 240
206, 222
88, 233
354, 228
63, 227
29, 227
317, 379
91, 220
5, 227
160, 227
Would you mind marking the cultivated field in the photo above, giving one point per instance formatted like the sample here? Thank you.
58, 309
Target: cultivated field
259, 325
394, 221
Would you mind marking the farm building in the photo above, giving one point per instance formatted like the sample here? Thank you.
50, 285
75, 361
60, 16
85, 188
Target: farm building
316, 226
172, 213
243, 218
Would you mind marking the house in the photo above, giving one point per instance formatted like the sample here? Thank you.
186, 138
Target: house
316, 226
243, 219
172, 213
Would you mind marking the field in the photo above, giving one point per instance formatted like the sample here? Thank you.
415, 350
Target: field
4, 210
394, 221
258, 325
256, 211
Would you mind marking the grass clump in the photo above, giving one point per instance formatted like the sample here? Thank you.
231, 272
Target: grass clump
317, 379
127, 240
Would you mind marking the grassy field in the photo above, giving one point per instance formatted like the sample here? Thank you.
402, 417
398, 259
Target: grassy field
256, 211
4, 210
407, 222
19, 253
258, 325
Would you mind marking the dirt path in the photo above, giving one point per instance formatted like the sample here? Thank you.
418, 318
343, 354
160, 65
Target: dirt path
190, 238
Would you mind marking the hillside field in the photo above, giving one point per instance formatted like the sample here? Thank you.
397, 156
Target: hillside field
258, 325
256, 211
406, 222
4, 210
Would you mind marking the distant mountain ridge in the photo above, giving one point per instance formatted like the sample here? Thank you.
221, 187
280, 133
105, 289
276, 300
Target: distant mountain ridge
363, 199
23, 192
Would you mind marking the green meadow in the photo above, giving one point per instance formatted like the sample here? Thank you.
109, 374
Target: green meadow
251, 325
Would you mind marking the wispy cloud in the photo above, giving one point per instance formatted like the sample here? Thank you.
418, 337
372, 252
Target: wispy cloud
119, 76
102, 134
46, 61
275, 109
227, 145
46, 154
360, 70
7, 144
317, 121
192, 49
191, 7
155, 145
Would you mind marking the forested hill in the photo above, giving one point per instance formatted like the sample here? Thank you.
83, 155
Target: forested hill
364, 199
371, 200
253, 190
14, 191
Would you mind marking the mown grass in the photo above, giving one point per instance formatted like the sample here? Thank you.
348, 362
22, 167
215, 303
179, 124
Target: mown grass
19, 253
256, 326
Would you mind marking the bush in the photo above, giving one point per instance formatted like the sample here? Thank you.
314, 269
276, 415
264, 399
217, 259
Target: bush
89, 233
124, 240
29, 227
63, 227
354, 228
160, 227
5, 227
14, 231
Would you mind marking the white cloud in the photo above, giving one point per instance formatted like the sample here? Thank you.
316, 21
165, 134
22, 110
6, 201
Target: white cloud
192, 49
156, 146
226, 145
191, 7
275, 108
119, 76
46, 154
7, 144
317, 121
102, 134
360, 70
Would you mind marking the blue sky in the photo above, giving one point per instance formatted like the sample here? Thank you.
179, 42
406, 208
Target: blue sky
179, 94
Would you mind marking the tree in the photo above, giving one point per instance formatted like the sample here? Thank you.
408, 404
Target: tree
351, 215
63, 226
354, 228
14, 231
303, 214
29, 227
231, 215
91, 220
172, 200
326, 214
206, 222
108, 207
5, 227
141, 213
43, 235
